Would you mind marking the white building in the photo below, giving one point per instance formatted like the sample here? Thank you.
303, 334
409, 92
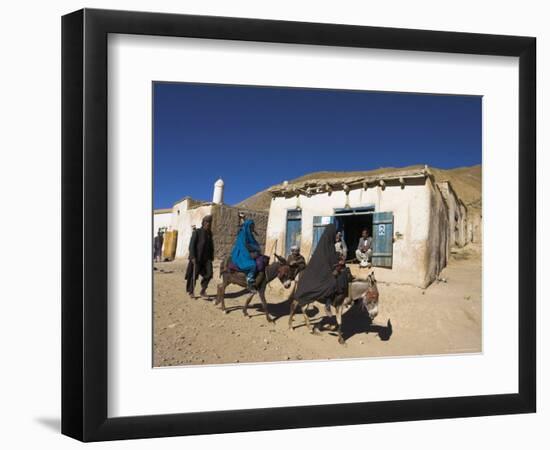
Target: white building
162, 220
188, 213
404, 211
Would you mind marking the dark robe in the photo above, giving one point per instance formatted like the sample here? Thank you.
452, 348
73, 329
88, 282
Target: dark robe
157, 245
201, 246
318, 281
201, 250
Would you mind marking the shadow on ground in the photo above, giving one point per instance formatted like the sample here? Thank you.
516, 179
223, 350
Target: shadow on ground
355, 321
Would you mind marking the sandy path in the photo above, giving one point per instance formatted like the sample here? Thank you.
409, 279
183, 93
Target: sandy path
445, 318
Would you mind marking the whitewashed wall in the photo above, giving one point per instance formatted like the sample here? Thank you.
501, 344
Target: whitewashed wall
183, 220
463, 226
438, 236
161, 220
458, 216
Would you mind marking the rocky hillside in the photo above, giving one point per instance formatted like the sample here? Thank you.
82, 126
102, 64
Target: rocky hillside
465, 180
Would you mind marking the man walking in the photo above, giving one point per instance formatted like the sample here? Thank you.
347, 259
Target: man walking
201, 254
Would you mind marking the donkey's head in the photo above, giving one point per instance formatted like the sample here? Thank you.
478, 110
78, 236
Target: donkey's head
284, 272
369, 303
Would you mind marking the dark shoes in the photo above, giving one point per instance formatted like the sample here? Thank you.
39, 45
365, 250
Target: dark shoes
202, 294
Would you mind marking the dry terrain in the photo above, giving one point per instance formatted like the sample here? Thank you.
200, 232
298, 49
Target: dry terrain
444, 318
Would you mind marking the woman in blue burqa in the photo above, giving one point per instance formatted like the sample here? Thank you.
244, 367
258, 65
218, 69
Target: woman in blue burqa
246, 253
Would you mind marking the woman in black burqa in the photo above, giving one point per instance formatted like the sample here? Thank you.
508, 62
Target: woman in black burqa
325, 276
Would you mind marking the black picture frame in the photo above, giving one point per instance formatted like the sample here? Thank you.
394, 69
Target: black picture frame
84, 224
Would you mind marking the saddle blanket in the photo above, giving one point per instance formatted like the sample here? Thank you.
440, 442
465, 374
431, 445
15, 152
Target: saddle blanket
261, 262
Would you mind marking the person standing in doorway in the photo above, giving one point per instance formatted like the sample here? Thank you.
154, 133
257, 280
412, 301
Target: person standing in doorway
340, 246
201, 255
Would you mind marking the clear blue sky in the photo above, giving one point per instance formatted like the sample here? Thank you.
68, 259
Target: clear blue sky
254, 137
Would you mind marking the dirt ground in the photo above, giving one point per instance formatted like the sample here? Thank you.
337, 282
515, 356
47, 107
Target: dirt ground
444, 318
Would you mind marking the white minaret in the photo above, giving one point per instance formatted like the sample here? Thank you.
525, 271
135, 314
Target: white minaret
218, 192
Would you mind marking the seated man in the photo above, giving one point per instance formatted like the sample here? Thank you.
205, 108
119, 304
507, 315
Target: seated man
246, 254
340, 246
296, 261
364, 249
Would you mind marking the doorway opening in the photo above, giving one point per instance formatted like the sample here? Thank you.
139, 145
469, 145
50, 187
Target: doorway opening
351, 224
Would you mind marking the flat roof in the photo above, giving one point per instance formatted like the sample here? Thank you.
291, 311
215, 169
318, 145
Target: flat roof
162, 211
319, 186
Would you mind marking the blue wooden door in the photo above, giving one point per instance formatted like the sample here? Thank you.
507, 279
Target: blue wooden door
293, 230
319, 224
382, 239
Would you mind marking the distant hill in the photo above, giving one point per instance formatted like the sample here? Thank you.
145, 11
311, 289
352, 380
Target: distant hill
466, 181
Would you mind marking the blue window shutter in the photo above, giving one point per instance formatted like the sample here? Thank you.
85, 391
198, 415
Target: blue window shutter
319, 224
382, 239
293, 234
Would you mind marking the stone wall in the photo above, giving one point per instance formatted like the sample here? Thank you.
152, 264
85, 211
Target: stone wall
225, 226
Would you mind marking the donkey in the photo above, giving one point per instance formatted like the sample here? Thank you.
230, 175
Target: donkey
364, 290
280, 269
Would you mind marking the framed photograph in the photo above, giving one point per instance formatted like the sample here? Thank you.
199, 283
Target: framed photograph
273, 225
